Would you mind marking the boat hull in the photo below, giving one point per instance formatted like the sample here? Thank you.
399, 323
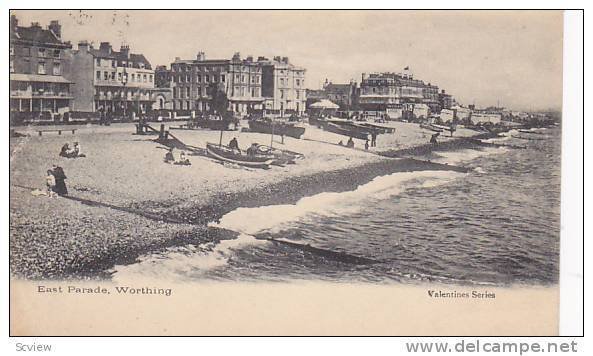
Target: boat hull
277, 129
223, 153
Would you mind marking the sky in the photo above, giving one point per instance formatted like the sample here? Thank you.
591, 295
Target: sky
511, 58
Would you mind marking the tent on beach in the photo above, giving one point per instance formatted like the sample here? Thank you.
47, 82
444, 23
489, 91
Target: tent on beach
323, 107
325, 104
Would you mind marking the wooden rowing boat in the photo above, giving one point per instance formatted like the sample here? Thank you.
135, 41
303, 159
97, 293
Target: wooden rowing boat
226, 154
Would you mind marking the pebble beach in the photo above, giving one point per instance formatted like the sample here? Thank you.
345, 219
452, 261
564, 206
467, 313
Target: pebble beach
124, 200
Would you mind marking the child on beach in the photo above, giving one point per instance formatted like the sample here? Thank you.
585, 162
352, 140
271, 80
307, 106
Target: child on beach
50, 182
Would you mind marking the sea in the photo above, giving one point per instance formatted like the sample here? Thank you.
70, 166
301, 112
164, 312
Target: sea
498, 224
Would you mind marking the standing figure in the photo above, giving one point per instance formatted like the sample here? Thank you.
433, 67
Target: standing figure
350, 143
433, 138
374, 139
366, 145
169, 156
60, 178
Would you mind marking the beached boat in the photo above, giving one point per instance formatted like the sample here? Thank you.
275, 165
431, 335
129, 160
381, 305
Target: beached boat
431, 128
378, 128
277, 128
226, 154
345, 130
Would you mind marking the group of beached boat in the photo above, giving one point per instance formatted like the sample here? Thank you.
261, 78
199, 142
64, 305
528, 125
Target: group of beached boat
262, 156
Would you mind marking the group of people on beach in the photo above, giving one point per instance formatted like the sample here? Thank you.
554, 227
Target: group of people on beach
251, 151
350, 143
170, 158
71, 152
55, 182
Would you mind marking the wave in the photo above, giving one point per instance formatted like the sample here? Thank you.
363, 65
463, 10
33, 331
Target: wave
275, 218
183, 261
454, 157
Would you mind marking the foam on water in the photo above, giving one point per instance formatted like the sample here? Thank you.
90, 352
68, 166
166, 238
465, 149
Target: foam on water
455, 157
184, 261
274, 218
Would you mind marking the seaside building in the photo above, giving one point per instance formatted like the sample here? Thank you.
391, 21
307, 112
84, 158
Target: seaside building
241, 80
162, 93
345, 95
110, 81
446, 100
38, 88
283, 86
397, 94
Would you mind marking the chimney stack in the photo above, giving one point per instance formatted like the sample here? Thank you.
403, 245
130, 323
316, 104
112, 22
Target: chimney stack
105, 47
125, 51
201, 56
56, 28
83, 46
35, 25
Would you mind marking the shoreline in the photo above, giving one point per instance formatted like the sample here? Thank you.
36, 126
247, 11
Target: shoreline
185, 222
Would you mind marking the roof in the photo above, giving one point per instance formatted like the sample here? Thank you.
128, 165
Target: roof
341, 88
38, 78
134, 58
36, 34
325, 104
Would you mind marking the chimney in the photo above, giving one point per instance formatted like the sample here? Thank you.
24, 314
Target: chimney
83, 46
261, 59
201, 56
35, 25
105, 47
125, 51
364, 76
236, 56
285, 60
56, 28
249, 59
277, 59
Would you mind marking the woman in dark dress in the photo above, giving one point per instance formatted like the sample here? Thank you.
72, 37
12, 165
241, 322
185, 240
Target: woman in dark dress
60, 177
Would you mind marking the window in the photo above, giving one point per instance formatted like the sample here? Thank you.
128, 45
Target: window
41, 68
113, 76
133, 77
144, 78
150, 78
206, 78
243, 79
187, 92
41, 52
174, 92
199, 91
98, 62
213, 79
222, 78
98, 74
199, 78
281, 94
298, 94
298, 82
281, 81
106, 75
119, 77
56, 69
56, 53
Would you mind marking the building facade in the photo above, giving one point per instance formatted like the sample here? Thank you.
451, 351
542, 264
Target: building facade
38, 88
117, 82
283, 86
401, 92
344, 95
193, 81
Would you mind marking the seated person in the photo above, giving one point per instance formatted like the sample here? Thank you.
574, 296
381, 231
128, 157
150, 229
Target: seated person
252, 151
169, 156
76, 151
64, 151
234, 145
183, 160
350, 143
